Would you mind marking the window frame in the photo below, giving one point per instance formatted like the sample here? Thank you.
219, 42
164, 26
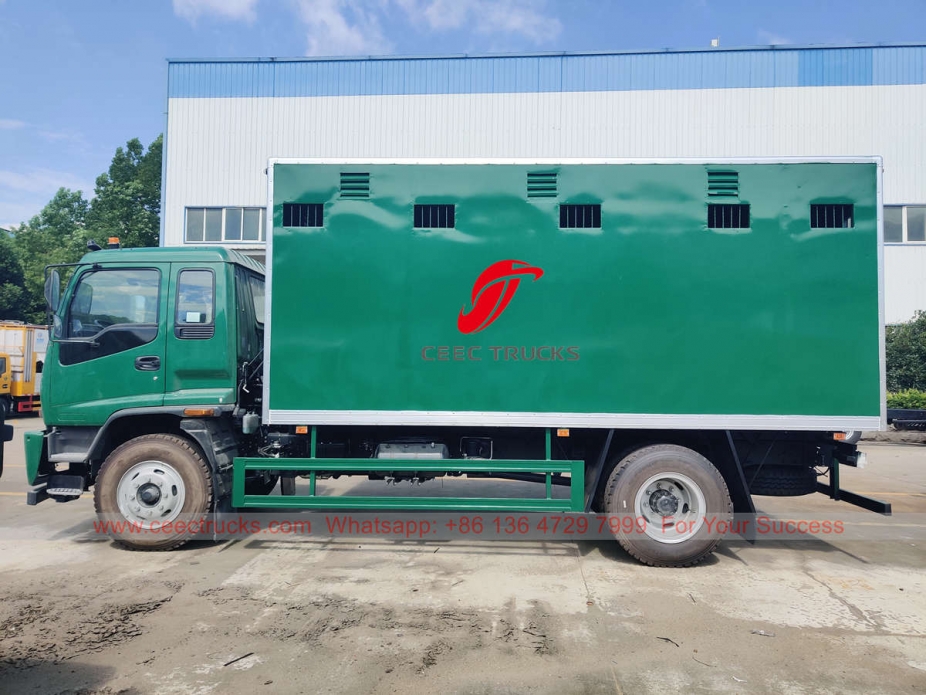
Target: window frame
446, 212
904, 225
261, 231
571, 210
181, 324
315, 212
95, 270
816, 209
252, 277
719, 208
76, 350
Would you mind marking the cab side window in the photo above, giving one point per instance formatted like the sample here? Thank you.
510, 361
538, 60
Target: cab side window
195, 307
257, 294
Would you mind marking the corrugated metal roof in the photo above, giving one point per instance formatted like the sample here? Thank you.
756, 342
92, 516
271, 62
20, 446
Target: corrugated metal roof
561, 72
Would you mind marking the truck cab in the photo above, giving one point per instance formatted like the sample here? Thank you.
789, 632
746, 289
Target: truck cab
144, 341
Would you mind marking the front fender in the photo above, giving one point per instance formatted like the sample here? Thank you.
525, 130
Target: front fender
36, 456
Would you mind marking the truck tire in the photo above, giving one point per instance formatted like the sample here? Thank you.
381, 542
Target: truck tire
6, 405
782, 481
153, 478
853, 437
677, 500
260, 485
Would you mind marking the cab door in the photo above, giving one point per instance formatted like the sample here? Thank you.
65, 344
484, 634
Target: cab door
200, 340
110, 349
5, 375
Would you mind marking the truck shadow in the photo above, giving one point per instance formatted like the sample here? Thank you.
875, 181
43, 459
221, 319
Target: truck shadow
65, 677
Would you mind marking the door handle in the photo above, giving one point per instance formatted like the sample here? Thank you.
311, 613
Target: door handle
149, 363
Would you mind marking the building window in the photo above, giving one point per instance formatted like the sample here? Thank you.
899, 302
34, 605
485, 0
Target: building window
573, 216
905, 224
728, 216
435, 216
893, 224
236, 224
916, 223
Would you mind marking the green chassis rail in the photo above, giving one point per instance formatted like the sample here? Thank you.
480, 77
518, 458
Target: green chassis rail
312, 465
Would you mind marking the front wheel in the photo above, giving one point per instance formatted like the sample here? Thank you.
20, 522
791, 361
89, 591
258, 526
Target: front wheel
678, 502
153, 492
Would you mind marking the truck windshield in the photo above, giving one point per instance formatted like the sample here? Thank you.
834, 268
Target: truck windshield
108, 297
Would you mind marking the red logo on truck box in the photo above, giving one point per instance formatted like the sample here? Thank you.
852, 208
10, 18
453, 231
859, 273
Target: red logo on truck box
494, 289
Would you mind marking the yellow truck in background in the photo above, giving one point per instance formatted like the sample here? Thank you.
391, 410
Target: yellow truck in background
22, 357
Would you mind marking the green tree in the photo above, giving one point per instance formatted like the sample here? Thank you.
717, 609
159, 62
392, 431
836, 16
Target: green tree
12, 295
57, 234
128, 197
906, 355
127, 205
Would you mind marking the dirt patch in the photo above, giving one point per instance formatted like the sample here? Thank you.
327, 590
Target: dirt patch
325, 620
41, 629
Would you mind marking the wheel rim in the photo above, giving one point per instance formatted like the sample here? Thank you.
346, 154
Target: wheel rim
150, 491
672, 505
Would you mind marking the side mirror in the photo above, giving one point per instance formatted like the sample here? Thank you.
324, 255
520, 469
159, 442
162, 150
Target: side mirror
53, 290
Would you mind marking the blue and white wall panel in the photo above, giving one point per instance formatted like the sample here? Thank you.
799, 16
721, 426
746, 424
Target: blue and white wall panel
225, 119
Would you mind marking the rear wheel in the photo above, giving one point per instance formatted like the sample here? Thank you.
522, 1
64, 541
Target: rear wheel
154, 491
677, 500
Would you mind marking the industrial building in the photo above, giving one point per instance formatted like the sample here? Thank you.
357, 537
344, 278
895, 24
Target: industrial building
226, 118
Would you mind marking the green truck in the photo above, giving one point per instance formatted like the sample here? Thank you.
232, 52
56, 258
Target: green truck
665, 339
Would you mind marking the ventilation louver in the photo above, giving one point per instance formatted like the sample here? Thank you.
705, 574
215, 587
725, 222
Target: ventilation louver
541, 184
195, 332
355, 184
723, 184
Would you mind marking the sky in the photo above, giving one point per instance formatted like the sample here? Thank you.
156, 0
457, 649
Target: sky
78, 78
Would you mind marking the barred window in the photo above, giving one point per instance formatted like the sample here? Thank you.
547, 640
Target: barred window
303, 215
728, 216
573, 216
832, 216
435, 216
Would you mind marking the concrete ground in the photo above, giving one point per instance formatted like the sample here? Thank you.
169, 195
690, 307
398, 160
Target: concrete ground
833, 614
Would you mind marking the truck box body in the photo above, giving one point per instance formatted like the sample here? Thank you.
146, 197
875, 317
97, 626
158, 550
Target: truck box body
24, 346
530, 306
